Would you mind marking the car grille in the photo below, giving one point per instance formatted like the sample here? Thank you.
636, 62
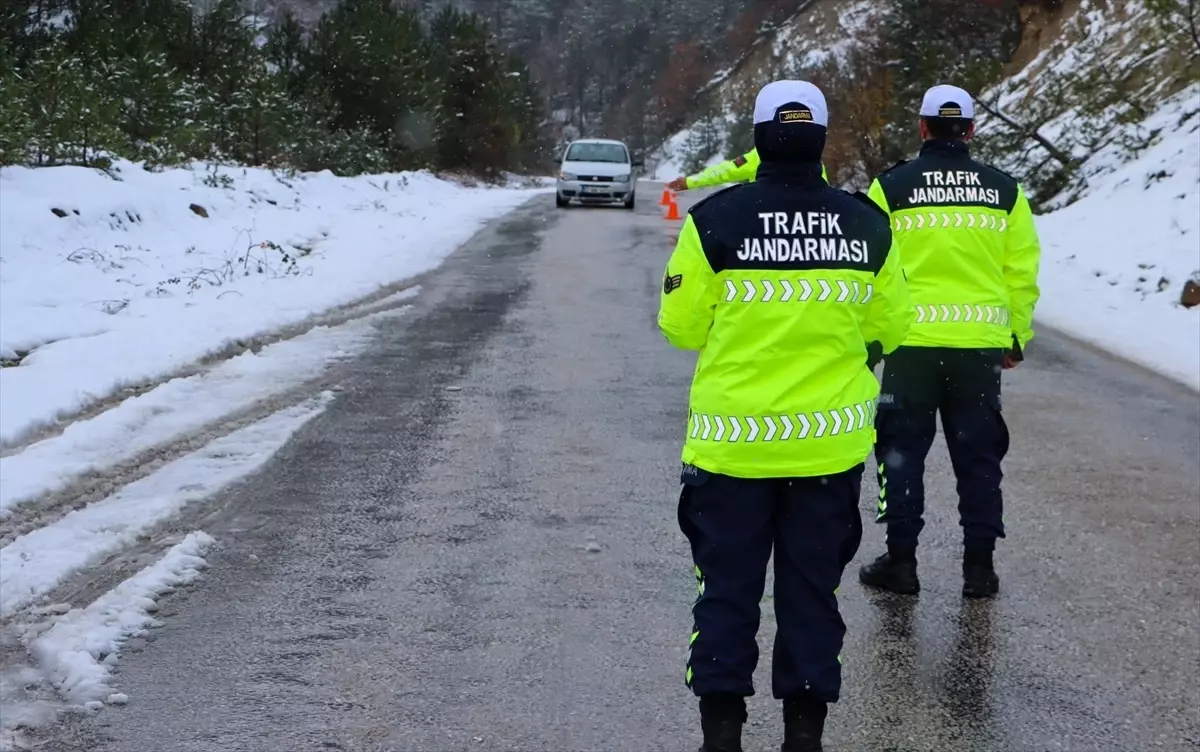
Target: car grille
594, 179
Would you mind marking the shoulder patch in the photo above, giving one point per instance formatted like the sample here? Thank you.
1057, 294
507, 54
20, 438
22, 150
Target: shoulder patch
671, 282
740, 160
867, 200
723, 192
901, 163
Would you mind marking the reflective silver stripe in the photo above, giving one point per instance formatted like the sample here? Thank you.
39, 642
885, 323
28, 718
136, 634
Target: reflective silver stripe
936, 219
735, 429
956, 313
798, 290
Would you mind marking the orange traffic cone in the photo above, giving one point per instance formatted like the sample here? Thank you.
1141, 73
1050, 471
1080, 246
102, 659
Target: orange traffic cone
673, 210
667, 197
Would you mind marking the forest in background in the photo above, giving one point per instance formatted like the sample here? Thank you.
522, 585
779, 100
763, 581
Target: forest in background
369, 87
491, 85
357, 85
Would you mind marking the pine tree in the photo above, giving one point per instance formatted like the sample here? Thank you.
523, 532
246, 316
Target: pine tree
152, 102
474, 132
15, 125
928, 42
525, 111
71, 120
372, 59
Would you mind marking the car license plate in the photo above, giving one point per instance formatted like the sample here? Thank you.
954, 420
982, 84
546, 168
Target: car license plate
595, 189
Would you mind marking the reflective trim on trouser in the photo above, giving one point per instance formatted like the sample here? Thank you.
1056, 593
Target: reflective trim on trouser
728, 524
964, 385
977, 439
903, 439
732, 524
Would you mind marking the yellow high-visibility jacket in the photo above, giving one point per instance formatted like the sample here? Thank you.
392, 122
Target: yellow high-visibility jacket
968, 245
781, 285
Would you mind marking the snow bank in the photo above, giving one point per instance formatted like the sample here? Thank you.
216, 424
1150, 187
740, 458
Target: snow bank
180, 407
78, 652
108, 283
1114, 262
37, 562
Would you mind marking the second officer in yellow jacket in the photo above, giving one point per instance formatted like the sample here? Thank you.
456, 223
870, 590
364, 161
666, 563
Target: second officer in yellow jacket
741, 169
970, 251
782, 285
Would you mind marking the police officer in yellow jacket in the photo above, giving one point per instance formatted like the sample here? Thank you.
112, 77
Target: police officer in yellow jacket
781, 285
737, 170
970, 251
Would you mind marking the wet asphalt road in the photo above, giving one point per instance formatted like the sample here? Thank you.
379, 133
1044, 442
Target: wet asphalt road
476, 548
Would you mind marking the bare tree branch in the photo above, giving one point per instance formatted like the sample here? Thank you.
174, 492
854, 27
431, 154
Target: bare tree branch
1030, 132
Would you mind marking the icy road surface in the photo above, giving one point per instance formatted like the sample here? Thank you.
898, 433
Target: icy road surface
475, 548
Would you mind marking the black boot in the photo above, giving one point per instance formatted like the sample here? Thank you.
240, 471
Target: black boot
803, 725
895, 571
721, 719
979, 574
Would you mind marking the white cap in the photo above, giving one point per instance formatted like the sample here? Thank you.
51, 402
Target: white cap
948, 102
778, 93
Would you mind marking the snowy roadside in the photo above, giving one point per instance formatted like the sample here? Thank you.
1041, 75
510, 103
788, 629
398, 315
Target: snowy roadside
129, 396
1114, 263
143, 467
107, 284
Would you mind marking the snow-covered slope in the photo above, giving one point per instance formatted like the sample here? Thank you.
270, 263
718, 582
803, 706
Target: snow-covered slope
108, 284
1114, 262
821, 31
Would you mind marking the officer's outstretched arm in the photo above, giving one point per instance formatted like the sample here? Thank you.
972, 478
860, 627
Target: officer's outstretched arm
1021, 259
738, 170
890, 311
689, 299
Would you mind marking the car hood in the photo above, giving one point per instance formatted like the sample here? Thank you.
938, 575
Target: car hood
603, 169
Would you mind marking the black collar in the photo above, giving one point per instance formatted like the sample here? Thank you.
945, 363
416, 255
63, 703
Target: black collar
791, 173
942, 147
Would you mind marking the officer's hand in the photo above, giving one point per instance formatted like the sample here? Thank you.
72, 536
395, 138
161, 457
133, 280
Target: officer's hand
678, 184
1014, 356
874, 355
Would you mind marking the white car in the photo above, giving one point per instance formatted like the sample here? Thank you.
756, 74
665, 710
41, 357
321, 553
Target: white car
597, 171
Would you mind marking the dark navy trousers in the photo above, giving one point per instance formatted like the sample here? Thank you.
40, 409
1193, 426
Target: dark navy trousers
964, 386
733, 524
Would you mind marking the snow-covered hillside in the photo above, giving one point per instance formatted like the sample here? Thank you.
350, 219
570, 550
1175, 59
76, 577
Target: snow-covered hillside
1114, 263
109, 284
823, 31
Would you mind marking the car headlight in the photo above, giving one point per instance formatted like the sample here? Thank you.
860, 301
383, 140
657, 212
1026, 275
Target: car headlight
621, 179
567, 176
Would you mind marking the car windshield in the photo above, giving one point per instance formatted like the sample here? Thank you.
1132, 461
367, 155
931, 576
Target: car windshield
597, 153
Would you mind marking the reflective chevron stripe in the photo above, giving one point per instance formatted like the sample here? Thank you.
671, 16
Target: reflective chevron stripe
937, 219
946, 313
800, 290
733, 429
